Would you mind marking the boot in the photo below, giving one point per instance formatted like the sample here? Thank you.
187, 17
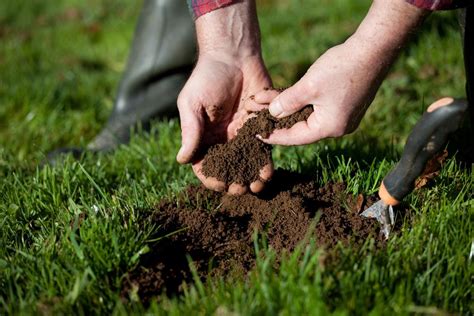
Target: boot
467, 29
161, 60
461, 141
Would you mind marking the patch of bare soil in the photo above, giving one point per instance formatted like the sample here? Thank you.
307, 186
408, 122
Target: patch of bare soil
217, 231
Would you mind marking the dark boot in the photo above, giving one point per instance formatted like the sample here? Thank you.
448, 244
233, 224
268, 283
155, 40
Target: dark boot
462, 141
160, 61
468, 42
467, 26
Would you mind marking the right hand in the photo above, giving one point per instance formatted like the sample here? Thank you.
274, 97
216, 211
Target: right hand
342, 83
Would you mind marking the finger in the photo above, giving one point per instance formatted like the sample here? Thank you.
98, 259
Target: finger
237, 189
261, 100
266, 96
209, 182
265, 175
302, 133
291, 100
252, 106
257, 186
237, 122
266, 172
191, 133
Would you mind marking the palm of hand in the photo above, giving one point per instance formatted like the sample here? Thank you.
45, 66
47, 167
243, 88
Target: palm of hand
212, 109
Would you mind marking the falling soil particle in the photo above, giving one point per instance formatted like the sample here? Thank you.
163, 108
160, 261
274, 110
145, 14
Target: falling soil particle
241, 159
217, 230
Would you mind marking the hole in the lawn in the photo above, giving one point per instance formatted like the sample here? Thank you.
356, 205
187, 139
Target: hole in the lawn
285, 212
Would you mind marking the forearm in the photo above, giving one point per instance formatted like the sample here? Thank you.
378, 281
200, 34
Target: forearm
230, 32
386, 28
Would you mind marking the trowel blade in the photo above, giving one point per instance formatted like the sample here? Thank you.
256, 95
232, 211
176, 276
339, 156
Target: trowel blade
384, 215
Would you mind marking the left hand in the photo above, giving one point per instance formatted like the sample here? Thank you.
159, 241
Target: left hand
212, 109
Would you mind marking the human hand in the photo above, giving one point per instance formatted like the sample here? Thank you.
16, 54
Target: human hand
212, 109
229, 70
339, 85
342, 83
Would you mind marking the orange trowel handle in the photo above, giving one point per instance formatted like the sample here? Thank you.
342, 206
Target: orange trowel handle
428, 137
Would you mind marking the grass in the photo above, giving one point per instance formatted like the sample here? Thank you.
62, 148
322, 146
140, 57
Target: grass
69, 234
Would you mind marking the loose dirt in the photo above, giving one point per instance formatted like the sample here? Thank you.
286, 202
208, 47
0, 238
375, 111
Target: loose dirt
241, 159
217, 231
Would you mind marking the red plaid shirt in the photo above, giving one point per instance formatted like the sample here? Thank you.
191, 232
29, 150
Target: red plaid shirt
439, 4
200, 7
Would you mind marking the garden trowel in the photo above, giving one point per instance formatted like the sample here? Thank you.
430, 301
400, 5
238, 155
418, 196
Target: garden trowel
428, 137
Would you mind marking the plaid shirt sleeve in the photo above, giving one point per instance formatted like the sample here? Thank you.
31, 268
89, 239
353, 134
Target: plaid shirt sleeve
201, 7
434, 5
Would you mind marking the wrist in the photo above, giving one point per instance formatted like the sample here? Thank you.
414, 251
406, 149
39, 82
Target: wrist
230, 33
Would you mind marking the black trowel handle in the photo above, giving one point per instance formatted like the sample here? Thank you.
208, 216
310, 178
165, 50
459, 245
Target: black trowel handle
428, 137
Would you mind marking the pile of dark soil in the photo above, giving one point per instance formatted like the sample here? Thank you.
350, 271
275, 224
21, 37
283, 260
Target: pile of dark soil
241, 159
217, 230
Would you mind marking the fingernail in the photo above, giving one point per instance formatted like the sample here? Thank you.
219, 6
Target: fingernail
276, 109
262, 139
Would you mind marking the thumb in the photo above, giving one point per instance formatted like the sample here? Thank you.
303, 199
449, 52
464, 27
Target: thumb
290, 101
191, 133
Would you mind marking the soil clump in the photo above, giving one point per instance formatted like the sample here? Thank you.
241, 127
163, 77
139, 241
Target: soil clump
241, 159
217, 230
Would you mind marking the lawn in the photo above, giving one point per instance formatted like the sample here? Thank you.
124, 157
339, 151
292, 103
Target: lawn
70, 234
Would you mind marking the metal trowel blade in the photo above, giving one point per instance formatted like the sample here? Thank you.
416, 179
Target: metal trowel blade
384, 215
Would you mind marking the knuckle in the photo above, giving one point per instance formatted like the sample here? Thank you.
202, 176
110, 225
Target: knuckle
309, 86
288, 101
182, 100
293, 106
338, 133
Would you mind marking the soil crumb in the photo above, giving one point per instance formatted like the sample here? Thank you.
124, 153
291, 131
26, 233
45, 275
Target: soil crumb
241, 159
217, 230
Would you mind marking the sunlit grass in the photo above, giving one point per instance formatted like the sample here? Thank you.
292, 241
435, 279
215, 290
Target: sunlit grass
69, 234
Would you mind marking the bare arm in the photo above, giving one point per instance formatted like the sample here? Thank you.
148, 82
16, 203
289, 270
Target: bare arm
229, 70
231, 32
385, 29
342, 83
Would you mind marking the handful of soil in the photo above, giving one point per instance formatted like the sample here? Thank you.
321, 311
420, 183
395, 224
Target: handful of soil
241, 159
